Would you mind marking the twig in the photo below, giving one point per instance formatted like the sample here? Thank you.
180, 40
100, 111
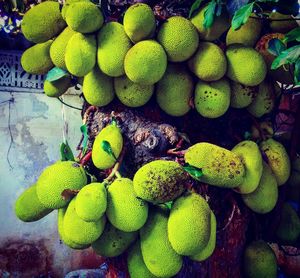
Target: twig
84, 160
115, 170
257, 125
176, 152
229, 219
66, 104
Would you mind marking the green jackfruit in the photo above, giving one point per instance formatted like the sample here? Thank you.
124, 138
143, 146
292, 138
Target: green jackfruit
212, 99
264, 198
113, 44
174, 91
220, 167
158, 254
278, 159
113, 242
139, 22
189, 224
100, 157
91, 202
250, 156
28, 207
124, 210
36, 59
245, 65
241, 95
55, 179
57, 87
146, 62
160, 181
282, 26
259, 261
42, 22
80, 56
67, 5
209, 63
179, 38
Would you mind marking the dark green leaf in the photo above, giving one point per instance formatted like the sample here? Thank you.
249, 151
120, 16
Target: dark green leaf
209, 14
196, 5
219, 9
287, 56
169, 204
20, 5
241, 16
194, 172
114, 121
276, 46
234, 5
55, 74
293, 35
84, 132
105, 145
297, 72
66, 152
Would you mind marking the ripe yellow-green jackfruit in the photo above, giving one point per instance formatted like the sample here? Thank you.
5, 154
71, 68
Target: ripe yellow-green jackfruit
174, 91
113, 44
91, 202
282, 26
189, 224
80, 56
139, 22
179, 38
145, 62
42, 22
55, 179
158, 254
28, 207
113, 242
241, 95
67, 5
112, 134
124, 210
212, 99
278, 159
209, 63
245, 65
58, 87
159, 181
36, 59
220, 167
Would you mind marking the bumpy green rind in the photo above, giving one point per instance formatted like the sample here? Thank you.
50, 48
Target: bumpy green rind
282, 26
241, 95
67, 5
58, 87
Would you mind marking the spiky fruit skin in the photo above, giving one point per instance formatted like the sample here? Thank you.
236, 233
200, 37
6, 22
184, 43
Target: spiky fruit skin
211, 245
264, 101
55, 179
278, 159
101, 158
67, 5
179, 38
58, 87
36, 59
91, 202
259, 261
132, 94
264, 198
113, 242
159, 181
245, 65
84, 17
282, 26
174, 91
189, 225
212, 99
80, 56
209, 63
42, 22
28, 207
249, 154
241, 95
159, 256
146, 62
220, 167
113, 44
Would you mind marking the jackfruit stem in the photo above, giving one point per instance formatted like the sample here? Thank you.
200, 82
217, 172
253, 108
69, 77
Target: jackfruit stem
257, 125
115, 170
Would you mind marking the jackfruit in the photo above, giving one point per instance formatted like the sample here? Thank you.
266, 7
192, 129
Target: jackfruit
220, 167
98, 88
159, 181
278, 159
139, 22
28, 207
209, 63
91, 202
212, 99
36, 59
113, 242
251, 158
80, 56
189, 224
282, 26
245, 65
58, 87
179, 38
174, 91
264, 198
42, 22
145, 62
259, 261
55, 179
67, 4
159, 256
100, 157
241, 95
124, 210
113, 44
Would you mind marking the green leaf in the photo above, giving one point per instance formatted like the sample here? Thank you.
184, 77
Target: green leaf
234, 5
55, 74
241, 16
209, 14
114, 121
287, 56
66, 152
105, 145
84, 132
276, 46
194, 172
169, 204
297, 72
196, 5
293, 35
